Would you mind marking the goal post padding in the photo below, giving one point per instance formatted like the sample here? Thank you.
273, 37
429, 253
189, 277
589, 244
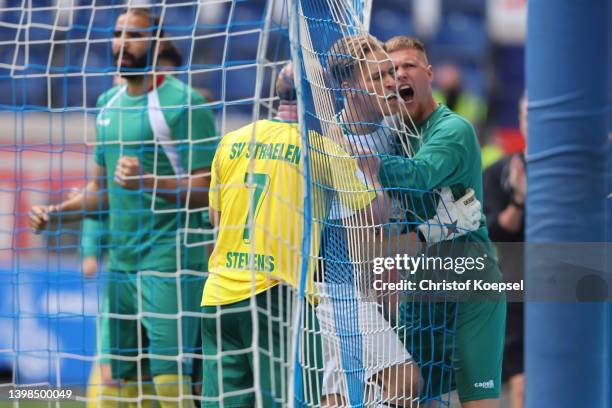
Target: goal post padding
567, 75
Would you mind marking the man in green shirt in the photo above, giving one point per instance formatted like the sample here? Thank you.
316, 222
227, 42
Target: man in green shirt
447, 154
154, 151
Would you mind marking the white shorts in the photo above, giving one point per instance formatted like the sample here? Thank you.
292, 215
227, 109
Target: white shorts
380, 346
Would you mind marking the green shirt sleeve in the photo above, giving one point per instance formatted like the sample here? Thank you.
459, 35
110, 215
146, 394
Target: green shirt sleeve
196, 124
438, 163
94, 237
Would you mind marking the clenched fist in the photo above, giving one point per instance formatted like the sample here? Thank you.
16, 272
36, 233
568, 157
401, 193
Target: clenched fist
128, 173
40, 215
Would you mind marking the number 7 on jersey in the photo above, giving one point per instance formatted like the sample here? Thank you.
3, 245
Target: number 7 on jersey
260, 183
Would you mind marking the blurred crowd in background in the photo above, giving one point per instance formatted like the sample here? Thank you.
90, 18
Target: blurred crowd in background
56, 55
62, 56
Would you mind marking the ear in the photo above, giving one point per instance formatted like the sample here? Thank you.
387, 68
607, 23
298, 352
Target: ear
430, 74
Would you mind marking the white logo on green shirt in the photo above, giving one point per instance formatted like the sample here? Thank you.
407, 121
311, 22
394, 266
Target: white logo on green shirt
487, 385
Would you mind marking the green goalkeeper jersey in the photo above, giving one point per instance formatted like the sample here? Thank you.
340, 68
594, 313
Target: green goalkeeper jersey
447, 154
171, 133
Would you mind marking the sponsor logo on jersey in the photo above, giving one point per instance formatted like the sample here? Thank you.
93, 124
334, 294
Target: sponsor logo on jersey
487, 385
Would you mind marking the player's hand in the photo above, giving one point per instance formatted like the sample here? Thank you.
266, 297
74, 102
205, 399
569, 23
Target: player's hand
128, 173
40, 216
517, 179
453, 218
90, 266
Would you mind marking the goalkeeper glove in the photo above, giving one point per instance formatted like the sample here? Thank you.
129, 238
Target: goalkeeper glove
453, 218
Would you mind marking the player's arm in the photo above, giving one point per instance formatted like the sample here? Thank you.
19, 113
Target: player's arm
191, 190
438, 160
214, 194
92, 244
91, 199
215, 216
453, 218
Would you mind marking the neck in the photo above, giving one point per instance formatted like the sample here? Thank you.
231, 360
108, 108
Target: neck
287, 111
136, 85
429, 107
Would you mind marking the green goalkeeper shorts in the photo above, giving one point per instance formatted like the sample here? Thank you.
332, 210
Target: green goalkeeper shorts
456, 345
231, 355
146, 318
104, 332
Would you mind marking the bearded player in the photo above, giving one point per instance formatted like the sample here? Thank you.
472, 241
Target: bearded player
153, 153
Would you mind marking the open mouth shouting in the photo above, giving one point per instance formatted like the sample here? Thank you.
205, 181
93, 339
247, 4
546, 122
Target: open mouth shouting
406, 93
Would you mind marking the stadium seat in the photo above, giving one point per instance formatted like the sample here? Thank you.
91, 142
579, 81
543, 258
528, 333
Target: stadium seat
179, 20
10, 17
461, 37
103, 19
247, 15
388, 22
477, 7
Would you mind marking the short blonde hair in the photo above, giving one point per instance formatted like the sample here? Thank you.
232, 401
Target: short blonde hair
399, 42
348, 52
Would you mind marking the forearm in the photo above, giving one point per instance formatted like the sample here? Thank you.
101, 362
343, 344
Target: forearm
91, 199
402, 172
182, 190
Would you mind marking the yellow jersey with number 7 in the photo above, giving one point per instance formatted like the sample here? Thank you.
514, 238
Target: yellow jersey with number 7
257, 185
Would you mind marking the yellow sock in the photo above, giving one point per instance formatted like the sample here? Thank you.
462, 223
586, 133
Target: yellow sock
169, 386
96, 391
130, 390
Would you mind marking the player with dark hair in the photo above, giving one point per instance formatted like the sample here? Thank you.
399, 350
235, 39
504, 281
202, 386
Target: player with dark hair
153, 155
169, 58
